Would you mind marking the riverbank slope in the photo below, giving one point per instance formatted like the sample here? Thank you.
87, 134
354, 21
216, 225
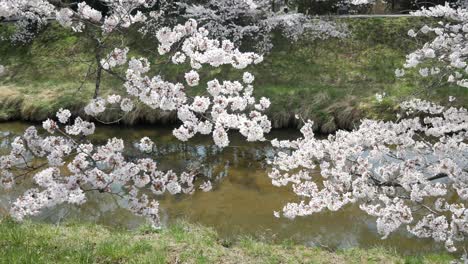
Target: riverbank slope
332, 82
179, 243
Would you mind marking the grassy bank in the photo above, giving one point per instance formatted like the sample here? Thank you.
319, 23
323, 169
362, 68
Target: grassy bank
179, 243
332, 82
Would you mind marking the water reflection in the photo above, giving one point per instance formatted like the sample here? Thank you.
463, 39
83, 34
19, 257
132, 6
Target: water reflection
242, 201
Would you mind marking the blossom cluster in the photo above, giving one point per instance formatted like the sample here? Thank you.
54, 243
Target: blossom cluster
26, 12
198, 49
296, 26
30, 9
99, 105
227, 105
121, 14
116, 58
412, 172
66, 167
445, 56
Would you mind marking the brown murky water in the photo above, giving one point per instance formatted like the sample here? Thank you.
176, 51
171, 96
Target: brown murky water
241, 203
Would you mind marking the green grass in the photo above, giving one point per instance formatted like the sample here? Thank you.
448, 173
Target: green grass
180, 243
332, 82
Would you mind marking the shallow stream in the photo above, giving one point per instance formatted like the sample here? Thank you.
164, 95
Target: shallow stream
241, 203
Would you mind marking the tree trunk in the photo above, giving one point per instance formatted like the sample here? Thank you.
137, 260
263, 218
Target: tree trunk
98, 70
98, 80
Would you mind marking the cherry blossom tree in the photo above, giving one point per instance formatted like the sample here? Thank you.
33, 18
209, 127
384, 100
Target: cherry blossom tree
65, 165
249, 21
101, 31
445, 56
410, 173
105, 31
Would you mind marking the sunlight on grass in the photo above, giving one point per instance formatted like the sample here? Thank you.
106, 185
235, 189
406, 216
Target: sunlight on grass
179, 243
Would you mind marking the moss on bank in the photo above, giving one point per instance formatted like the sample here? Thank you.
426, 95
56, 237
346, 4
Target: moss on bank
332, 82
179, 243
